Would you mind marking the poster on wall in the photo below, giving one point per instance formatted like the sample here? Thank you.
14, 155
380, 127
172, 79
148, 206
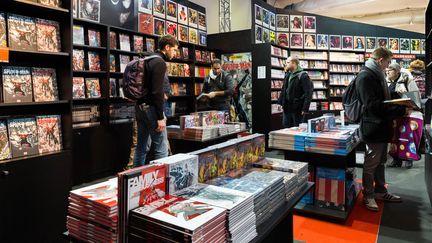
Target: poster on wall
145, 23
347, 42
272, 37
272, 21
159, 26
258, 34
193, 36
415, 46
422, 46
171, 11
239, 65
335, 42
296, 40
202, 23
159, 8
359, 43
145, 6
193, 17
90, 10
283, 39
171, 28
282, 22
258, 14
296, 23
322, 42
182, 14
266, 18
404, 46
183, 33
120, 14
202, 38
309, 24
382, 42
309, 41
370, 44
394, 45
266, 35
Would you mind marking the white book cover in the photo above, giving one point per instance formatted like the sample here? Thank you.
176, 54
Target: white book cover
182, 171
104, 193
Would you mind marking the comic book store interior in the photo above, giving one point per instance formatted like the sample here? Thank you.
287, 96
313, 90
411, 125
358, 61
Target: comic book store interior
127, 121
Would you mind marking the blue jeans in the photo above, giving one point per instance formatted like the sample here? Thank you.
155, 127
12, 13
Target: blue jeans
147, 123
291, 119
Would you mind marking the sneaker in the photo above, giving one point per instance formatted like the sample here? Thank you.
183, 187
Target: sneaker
408, 164
395, 163
387, 197
371, 204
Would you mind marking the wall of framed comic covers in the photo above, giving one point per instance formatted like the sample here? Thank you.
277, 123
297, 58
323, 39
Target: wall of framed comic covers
35, 119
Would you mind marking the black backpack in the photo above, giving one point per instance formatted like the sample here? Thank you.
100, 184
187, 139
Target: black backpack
351, 102
133, 78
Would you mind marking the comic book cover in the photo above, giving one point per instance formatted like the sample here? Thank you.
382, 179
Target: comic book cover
182, 170
183, 33
78, 88
171, 28
44, 84
193, 36
159, 27
124, 42
150, 44
94, 38
113, 87
145, 23
51, 3
112, 63
78, 60
48, 35
202, 24
49, 133
207, 164
90, 10
227, 158
22, 32
102, 194
5, 151
17, 84
23, 136
259, 147
94, 61
124, 60
185, 53
245, 152
138, 187
202, 38
78, 35
113, 40
193, 17
93, 88
3, 40
138, 43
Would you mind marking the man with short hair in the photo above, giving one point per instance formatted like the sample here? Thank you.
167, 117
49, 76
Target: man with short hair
218, 87
376, 125
296, 93
149, 110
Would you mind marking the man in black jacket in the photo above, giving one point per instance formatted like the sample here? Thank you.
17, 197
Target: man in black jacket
296, 93
149, 110
375, 126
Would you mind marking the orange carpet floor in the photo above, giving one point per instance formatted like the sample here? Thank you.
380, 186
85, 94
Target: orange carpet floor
362, 226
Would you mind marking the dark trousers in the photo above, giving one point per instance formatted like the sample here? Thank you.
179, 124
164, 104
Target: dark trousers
373, 169
291, 119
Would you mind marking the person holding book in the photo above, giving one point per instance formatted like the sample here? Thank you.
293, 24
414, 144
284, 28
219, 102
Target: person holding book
400, 81
150, 110
296, 93
218, 87
375, 126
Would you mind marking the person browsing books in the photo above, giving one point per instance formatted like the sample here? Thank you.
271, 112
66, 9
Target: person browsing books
296, 93
150, 110
218, 87
375, 126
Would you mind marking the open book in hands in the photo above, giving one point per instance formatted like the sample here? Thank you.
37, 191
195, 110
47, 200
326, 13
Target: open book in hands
202, 95
405, 102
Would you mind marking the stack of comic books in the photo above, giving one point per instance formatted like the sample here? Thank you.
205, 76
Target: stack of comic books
335, 141
239, 205
176, 219
200, 133
137, 187
289, 138
92, 212
182, 171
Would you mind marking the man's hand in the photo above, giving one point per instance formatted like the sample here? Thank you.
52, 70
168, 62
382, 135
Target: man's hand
161, 124
211, 95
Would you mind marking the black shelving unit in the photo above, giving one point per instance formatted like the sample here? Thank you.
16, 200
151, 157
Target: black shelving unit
35, 188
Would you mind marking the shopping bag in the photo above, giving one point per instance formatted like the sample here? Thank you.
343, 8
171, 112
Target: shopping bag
407, 133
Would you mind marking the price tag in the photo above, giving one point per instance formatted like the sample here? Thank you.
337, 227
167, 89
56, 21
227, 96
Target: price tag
4, 54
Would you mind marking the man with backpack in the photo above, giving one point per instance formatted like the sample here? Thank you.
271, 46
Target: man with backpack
296, 93
149, 107
376, 125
